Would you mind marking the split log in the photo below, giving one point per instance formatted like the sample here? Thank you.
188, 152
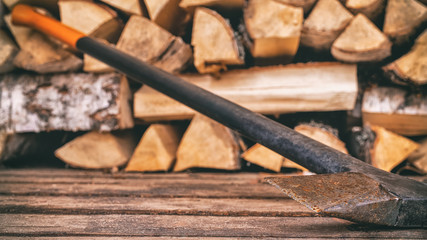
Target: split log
94, 20
324, 24
49, 5
267, 158
39, 53
157, 149
264, 157
403, 18
96, 150
167, 14
69, 102
8, 51
127, 6
361, 41
208, 144
380, 147
273, 29
412, 67
396, 109
370, 8
214, 42
191, 5
150, 43
306, 5
418, 158
307, 87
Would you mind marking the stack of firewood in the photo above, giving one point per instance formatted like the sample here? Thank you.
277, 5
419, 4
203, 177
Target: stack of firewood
364, 60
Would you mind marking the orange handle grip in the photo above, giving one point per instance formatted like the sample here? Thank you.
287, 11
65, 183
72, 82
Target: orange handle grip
26, 16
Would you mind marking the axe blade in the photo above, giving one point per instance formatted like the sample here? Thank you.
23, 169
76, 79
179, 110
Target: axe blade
355, 197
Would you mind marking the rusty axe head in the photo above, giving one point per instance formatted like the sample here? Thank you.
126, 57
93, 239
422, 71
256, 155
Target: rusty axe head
388, 200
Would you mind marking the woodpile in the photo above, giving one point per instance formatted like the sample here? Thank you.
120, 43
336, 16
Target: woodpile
364, 60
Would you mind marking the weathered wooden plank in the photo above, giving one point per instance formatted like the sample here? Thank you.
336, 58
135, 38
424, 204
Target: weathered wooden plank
153, 206
192, 226
172, 188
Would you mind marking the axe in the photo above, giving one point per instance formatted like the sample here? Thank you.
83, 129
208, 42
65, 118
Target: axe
345, 187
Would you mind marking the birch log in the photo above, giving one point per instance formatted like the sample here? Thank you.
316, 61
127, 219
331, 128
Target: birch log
395, 109
306, 87
70, 102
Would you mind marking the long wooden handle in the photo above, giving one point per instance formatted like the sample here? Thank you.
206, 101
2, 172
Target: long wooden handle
26, 15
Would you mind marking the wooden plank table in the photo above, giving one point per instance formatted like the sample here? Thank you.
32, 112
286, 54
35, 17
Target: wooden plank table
75, 204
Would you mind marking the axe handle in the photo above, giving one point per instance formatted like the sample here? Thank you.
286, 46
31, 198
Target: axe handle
311, 154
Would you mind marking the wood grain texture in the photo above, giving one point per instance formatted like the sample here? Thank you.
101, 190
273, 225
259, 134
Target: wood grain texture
48, 204
70, 102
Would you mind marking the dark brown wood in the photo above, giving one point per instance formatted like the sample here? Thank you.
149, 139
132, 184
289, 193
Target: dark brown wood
76, 204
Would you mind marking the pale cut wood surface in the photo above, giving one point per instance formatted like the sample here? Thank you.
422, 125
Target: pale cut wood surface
396, 110
156, 150
208, 144
167, 14
411, 67
324, 24
69, 102
152, 44
370, 8
190, 5
37, 204
273, 27
305, 4
95, 150
306, 87
371, 44
214, 42
402, 19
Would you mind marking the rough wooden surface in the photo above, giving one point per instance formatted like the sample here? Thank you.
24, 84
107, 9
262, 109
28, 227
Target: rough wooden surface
8, 51
370, 8
70, 102
260, 211
167, 14
307, 87
127, 6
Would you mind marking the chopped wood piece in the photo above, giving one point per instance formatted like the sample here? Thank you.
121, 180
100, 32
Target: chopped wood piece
94, 20
94, 65
370, 8
96, 150
191, 5
274, 28
396, 110
214, 42
269, 159
361, 41
402, 19
167, 14
418, 158
157, 149
324, 24
208, 144
127, 6
319, 132
307, 87
70, 102
150, 43
8, 51
39, 53
50, 5
390, 149
412, 67
264, 157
